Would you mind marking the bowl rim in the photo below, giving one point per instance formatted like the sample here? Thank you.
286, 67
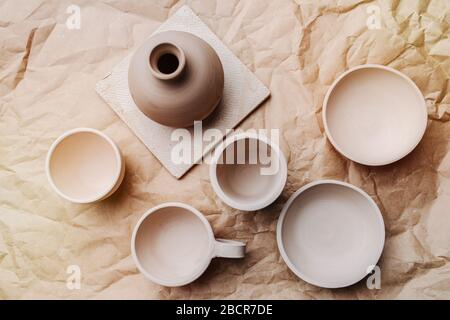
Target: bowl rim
292, 266
102, 194
420, 130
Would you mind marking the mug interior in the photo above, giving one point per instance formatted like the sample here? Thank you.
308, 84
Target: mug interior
172, 245
248, 171
84, 166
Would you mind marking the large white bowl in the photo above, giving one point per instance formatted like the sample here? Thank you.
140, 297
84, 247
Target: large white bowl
330, 234
374, 115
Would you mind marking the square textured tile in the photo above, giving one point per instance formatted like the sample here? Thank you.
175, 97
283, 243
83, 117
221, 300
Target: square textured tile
243, 92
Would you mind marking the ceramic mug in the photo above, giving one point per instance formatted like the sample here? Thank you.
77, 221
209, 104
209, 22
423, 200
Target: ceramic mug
84, 165
248, 171
330, 233
173, 244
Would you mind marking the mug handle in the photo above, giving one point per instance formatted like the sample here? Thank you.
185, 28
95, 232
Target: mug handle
229, 249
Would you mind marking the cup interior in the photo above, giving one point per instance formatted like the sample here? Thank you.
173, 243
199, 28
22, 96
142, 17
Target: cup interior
84, 166
249, 172
330, 234
172, 246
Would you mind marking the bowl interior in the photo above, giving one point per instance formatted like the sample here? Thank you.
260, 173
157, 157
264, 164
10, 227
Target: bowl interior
249, 171
84, 166
172, 245
331, 235
375, 116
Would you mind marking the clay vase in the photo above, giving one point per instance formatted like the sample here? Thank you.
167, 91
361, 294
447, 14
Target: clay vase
176, 78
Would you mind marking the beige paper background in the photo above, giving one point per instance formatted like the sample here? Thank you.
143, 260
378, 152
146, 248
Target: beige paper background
47, 86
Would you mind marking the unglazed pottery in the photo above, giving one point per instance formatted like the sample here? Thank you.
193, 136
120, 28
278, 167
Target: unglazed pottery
248, 171
84, 165
176, 78
173, 244
330, 234
374, 115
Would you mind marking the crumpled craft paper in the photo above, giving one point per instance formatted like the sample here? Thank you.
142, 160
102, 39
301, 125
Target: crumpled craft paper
297, 48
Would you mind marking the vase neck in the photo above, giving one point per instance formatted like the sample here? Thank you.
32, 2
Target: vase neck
167, 61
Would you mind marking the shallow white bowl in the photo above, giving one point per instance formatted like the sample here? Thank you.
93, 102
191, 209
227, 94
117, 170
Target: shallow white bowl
84, 165
374, 115
330, 233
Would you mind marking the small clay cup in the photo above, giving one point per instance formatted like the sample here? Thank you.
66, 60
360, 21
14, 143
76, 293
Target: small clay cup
84, 166
248, 171
176, 78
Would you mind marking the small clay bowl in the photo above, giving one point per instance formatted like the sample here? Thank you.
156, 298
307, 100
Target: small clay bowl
84, 165
374, 115
248, 171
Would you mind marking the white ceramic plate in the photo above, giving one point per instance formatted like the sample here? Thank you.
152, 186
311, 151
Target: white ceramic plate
330, 234
374, 115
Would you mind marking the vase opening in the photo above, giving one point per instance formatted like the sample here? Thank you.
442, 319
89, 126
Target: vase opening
167, 61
